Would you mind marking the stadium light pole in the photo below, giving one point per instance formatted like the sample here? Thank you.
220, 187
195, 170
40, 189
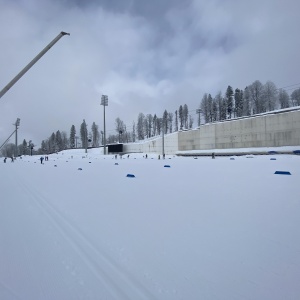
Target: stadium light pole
163, 136
17, 124
104, 102
199, 111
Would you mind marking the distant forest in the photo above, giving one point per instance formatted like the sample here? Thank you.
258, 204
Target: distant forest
254, 99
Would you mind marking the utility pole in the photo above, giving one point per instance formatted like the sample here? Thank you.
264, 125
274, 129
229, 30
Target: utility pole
85, 137
16, 136
104, 102
198, 111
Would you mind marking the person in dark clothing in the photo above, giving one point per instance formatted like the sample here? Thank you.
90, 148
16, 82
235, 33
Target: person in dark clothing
41, 159
5, 159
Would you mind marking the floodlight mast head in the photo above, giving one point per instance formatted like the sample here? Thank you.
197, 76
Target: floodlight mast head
104, 100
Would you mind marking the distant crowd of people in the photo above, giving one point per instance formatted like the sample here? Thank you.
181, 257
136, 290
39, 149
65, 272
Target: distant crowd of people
42, 158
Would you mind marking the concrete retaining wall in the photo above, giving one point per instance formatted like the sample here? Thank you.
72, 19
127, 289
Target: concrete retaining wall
270, 130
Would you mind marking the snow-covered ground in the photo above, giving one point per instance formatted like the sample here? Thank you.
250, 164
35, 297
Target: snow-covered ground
201, 228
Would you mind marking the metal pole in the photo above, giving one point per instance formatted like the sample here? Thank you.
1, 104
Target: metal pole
16, 78
7, 139
104, 132
16, 136
104, 102
163, 141
16, 148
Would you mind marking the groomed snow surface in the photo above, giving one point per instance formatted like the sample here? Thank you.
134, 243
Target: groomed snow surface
224, 228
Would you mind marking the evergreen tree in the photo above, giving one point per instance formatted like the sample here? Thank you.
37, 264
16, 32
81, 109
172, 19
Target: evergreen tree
176, 120
214, 110
140, 126
84, 135
165, 121
185, 113
52, 143
180, 116
229, 100
24, 147
205, 108
210, 107
65, 140
133, 132
95, 135
58, 141
44, 149
247, 107
154, 122
223, 109
170, 122
72, 136
218, 103
238, 98
191, 121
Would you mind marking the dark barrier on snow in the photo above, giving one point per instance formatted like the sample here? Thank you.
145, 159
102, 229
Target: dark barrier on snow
282, 173
297, 152
273, 152
167, 166
130, 175
272, 158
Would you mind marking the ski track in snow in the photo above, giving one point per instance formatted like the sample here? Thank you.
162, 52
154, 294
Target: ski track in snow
120, 283
220, 251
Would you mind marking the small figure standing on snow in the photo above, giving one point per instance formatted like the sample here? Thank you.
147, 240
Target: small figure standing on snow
41, 159
5, 160
213, 155
12, 159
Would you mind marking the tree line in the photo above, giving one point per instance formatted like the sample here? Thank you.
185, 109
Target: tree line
253, 99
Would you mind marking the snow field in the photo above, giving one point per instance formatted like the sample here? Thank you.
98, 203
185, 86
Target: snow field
201, 229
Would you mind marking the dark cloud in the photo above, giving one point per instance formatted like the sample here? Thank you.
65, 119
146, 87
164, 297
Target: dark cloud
146, 55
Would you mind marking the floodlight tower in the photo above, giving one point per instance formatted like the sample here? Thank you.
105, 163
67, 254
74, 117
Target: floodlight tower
104, 102
17, 124
199, 111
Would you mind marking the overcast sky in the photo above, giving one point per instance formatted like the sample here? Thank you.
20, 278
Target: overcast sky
147, 56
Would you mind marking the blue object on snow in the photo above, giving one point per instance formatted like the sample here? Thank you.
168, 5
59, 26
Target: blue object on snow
167, 166
272, 158
296, 152
55, 165
273, 152
116, 164
80, 169
130, 175
232, 158
282, 173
